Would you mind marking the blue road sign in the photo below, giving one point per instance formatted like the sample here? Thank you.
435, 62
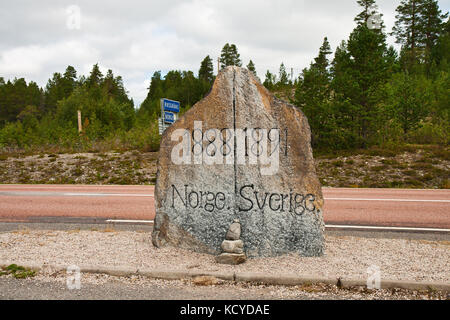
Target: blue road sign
170, 105
169, 117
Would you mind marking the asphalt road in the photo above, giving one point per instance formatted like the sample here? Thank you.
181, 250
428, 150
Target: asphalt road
111, 288
97, 204
30, 289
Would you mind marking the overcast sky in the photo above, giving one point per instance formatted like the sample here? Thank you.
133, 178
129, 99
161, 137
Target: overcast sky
137, 38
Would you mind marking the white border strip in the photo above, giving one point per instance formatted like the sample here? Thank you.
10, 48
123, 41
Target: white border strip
396, 200
386, 228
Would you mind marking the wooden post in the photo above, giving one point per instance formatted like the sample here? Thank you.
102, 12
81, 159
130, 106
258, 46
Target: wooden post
79, 122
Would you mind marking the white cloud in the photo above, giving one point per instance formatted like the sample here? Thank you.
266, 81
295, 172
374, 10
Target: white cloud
136, 38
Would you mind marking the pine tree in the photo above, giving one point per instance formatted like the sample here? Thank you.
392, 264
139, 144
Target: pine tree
431, 26
206, 71
370, 11
70, 74
417, 27
251, 67
441, 52
230, 56
407, 30
270, 80
69, 80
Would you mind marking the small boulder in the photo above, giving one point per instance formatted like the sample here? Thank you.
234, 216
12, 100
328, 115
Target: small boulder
234, 232
233, 246
231, 258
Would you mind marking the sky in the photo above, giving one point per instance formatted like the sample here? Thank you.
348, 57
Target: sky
136, 38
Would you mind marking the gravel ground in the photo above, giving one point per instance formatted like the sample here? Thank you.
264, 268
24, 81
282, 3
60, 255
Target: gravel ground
347, 257
52, 285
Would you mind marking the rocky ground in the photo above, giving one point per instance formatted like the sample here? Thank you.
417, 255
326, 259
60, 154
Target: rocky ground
426, 167
125, 168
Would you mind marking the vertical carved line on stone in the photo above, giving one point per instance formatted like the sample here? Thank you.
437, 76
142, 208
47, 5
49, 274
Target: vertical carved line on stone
235, 143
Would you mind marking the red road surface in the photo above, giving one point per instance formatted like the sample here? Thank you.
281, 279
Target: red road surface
370, 207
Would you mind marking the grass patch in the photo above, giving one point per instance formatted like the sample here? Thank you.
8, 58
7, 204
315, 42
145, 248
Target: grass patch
350, 162
17, 272
378, 168
411, 173
422, 166
389, 162
446, 184
338, 163
442, 153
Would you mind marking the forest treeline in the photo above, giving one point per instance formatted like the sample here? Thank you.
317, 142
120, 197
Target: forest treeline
364, 94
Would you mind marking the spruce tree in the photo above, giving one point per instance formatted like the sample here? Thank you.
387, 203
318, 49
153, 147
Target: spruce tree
96, 77
312, 95
321, 61
359, 70
69, 80
251, 67
235, 56
206, 70
283, 79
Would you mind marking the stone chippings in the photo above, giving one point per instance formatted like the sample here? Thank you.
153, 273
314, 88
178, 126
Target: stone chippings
238, 100
346, 257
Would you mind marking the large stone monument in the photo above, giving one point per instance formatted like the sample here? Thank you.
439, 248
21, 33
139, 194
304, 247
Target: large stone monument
240, 153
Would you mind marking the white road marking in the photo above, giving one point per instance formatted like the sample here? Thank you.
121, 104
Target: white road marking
71, 194
395, 200
386, 228
327, 226
89, 194
75, 194
129, 221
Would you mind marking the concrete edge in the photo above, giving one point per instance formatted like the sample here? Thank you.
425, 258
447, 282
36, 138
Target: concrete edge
248, 277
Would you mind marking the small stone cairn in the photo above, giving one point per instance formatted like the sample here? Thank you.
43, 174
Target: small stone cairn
232, 246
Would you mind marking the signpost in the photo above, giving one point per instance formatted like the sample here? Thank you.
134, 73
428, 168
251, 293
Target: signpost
79, 122
169, 117
170, 105
169, 114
